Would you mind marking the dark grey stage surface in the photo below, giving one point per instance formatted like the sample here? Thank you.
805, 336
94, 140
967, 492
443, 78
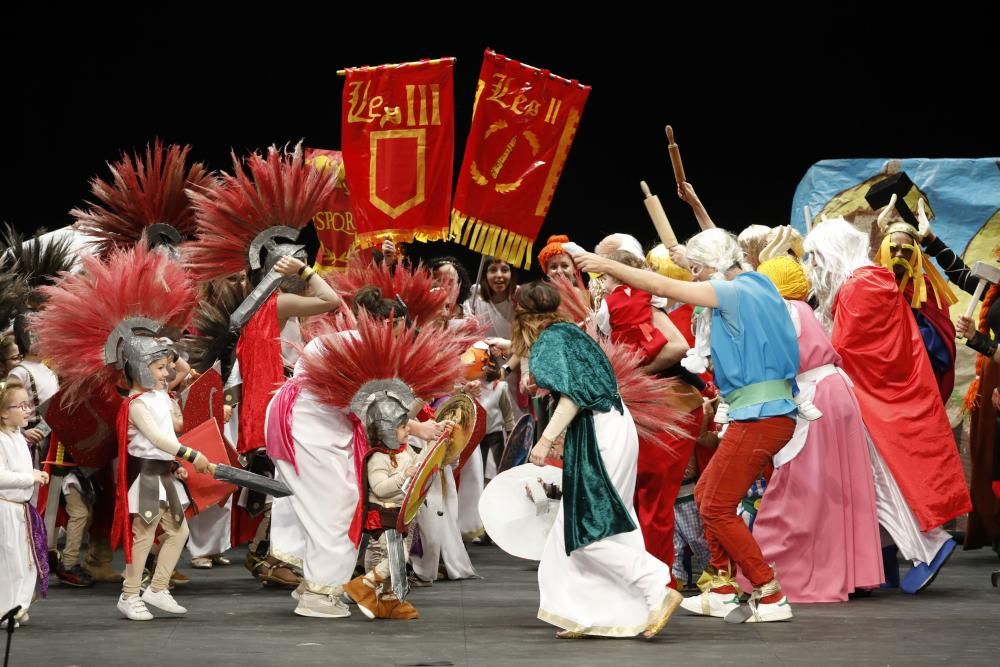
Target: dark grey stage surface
232, 621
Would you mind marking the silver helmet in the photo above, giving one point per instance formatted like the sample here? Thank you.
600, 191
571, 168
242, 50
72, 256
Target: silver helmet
165, 237
134, 345
267, 244
383, 406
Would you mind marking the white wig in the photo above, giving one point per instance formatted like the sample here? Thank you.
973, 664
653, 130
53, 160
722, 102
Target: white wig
837, 249
716, 248
625, 242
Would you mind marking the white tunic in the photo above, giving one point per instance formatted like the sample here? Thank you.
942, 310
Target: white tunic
17, 560
610, 587
159, 405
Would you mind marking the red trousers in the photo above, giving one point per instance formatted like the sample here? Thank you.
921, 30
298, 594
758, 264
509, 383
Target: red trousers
744, 452
658, 479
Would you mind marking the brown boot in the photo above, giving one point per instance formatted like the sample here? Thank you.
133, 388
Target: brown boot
279, 574
98, 562
362, 591
391, 607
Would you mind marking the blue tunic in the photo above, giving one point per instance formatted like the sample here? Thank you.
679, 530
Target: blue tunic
755, 352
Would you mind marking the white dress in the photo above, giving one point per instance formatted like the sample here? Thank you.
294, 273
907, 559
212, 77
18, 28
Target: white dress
440, 538
18, 573
311, 527
470, 488
607, 588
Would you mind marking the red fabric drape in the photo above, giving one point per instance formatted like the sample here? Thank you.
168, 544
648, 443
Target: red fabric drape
882, 350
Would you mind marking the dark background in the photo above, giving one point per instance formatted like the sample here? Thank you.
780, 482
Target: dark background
755, 94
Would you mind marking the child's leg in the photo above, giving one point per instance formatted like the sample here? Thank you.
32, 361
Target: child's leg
142, 541
175, 535
79, 517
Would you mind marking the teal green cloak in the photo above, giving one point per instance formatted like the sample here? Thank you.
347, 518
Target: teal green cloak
568, 362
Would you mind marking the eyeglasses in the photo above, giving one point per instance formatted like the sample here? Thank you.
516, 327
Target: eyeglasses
25, 406
16, 357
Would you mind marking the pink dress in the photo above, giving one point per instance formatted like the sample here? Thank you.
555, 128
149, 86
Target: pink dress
817, 520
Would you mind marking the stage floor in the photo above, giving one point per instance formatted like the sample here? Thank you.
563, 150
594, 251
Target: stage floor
232, 621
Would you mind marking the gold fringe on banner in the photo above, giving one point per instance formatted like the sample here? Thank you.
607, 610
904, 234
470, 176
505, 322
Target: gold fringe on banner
491, 240
401, 236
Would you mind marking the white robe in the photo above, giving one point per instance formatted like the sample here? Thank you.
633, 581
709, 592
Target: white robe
610, 587
440, 538
211, 530
311, 527
18, 573
896, 517
469, 491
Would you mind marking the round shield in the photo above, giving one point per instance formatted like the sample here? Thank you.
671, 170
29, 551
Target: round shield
477, 437
514, 520
519, 444
429, 465
469, 428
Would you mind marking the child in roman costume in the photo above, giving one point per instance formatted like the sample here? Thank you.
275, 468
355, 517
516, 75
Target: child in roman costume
251, 222
143, 201
102, 326
380, 372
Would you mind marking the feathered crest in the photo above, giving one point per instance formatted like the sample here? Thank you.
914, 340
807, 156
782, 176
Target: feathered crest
412, 285
574, 303
426, 360
14, 292
652, 400
84, 308
38, 263
655, 402
144, 190
278, 189
326, 324
219, 300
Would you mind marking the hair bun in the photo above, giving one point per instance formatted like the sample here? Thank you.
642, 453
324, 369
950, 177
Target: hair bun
558, 238
368, 297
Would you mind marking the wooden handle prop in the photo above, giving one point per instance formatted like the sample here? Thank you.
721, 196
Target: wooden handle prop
975, 297
675, 157
659, 217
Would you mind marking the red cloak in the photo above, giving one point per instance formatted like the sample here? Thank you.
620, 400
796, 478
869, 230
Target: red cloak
877, 337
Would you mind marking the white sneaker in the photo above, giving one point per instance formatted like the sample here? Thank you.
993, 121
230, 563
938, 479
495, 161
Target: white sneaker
716, 605
163, 601
321, 606
774, 611
134, 608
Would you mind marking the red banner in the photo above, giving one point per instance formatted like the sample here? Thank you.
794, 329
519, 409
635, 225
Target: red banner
334, 225
523, 124
398, 137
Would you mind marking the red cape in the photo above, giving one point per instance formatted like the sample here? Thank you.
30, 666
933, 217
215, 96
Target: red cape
262, 370
882, 350
121, 528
